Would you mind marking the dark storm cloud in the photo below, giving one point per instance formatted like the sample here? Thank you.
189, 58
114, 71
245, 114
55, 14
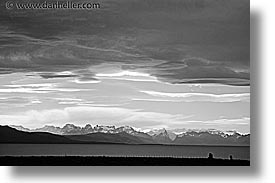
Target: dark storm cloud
198, 41
197, 70
54, 75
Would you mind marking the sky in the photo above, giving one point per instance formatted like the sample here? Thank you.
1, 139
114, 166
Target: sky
147, 64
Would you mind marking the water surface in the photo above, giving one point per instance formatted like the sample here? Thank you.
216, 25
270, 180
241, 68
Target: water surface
122, 150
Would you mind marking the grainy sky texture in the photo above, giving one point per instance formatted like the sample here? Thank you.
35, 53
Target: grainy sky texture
144, 63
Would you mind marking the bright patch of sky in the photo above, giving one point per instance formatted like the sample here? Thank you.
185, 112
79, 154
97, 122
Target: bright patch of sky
141, 104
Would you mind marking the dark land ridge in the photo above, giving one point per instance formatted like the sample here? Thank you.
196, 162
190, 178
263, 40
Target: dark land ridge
116, 161
9, 135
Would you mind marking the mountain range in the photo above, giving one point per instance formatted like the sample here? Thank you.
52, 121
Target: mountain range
70, 133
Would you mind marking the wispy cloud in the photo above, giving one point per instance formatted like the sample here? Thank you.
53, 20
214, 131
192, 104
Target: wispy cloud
123, 73
153, 100
38, 88
191, 97
102, 115
36, 85
64, 74
67, 99
223, 121
18, 101
128, 76
186, 53
81, 81
119, 116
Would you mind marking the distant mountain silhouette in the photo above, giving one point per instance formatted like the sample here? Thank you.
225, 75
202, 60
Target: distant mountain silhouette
11, 135
207, 138
162, 137
21, 128
171, 133
124, 134
122, 137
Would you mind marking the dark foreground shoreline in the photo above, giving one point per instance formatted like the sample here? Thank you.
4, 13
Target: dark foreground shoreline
116, 161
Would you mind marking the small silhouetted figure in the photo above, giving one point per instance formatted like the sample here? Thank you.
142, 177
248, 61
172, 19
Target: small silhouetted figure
210, 156
231, 157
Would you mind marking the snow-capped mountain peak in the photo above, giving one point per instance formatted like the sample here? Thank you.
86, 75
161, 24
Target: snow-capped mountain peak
160, 136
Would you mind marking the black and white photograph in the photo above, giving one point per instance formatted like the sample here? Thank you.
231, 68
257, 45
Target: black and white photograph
125, 83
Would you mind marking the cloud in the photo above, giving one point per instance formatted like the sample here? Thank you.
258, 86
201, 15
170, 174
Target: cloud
222, 121
99, 115
81, 76
178, 42
154, 100
82, 102
201, 97
37, 85
240, 121
18, 101
128, 76
64, 74
199, 70
82, 115
236, 124
38, 88
85, 81
123, 73
67, 99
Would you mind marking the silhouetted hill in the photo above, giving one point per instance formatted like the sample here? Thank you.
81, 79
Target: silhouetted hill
10, 135
122, 137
